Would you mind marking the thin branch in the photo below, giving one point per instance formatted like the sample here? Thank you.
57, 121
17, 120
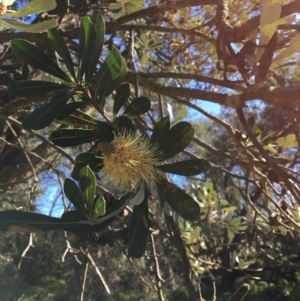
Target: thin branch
196, 77
106, 288
113, 26
240, 293
160, 8
85, 271
59, 149
33, 186
282, 174
214, 291
233, 101
30, 245
158, 279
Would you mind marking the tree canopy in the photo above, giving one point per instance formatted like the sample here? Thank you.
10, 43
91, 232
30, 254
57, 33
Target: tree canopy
154, 144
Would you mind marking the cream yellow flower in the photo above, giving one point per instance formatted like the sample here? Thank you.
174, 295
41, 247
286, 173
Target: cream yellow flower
129, 160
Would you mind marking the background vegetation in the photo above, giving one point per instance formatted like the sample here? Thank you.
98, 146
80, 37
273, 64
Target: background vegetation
230, 69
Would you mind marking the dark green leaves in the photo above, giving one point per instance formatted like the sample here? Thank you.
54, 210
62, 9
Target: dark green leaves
99, 206
122, 94
110, 75
138, 230
35, 57
91, 41
180, 202
138, 106
27, 222
84, 159
186, 168
60, 47
74, 195
87, 183
161, 130
84, 199
78, 118
43, 116
73, 137
176, 139
28, 88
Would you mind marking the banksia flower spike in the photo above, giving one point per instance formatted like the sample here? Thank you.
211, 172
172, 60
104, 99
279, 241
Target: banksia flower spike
129, 160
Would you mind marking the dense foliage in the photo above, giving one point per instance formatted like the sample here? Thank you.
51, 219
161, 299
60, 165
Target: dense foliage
109, 140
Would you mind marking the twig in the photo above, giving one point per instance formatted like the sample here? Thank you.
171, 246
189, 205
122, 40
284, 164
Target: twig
200, 293
85, 271
59, 149
30, 244
240, 293
158, 279
215, 291
35, 178
282, 174
91, 260
71, 250
135, 269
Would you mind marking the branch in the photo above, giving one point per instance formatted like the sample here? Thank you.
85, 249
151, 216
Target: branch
158, 279
160, 8
30, 245
91, 260
233, 101
282, 174
105, 237
197, 77
112, 26
86, 267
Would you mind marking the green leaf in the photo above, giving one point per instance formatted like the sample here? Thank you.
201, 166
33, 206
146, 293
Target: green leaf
117, 80
111, 70
99, 207
138, 230
106, 131
73, 137
35, 57
78, 118
87, 37
73, 193
122, 94
161, 130
91, 40
43, 116
29, 88
34, 7
74, 216
84, 159
138, 106
288, 141
121, 203
186, 168
22, 26
75, 222
179, 201
180, 135
99, 27
69, 108
60, 47
27, 222
124, 123
87, 182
